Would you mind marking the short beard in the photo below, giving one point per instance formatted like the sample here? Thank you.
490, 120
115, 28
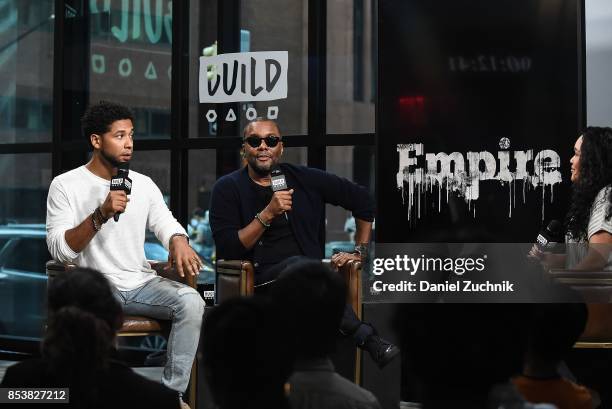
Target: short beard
114, 162
259, 170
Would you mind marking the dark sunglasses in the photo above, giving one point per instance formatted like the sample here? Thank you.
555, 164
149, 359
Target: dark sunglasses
254, 141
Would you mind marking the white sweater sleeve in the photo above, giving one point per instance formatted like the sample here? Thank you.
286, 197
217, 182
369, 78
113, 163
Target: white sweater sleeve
161, 221
60, 218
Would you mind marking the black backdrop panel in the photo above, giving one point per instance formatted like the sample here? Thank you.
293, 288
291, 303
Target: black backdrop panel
460, 76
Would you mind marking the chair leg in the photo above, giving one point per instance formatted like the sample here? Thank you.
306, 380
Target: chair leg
358, 355
358, 307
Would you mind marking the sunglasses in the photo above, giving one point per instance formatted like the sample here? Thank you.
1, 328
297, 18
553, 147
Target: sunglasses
255, 142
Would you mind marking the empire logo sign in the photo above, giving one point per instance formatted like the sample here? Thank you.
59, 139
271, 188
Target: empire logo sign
453, 173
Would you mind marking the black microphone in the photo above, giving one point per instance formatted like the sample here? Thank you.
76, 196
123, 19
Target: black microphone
549, 237
121, 181
278, 181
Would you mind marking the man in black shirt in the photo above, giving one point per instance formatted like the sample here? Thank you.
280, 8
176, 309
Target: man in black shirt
277, 243
249, 221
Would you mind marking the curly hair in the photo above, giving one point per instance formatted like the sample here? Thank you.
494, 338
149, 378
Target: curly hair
594, 174
98, 118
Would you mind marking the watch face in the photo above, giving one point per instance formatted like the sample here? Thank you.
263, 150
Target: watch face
362, 250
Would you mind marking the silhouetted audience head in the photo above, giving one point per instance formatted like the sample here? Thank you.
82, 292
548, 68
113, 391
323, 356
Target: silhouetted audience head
457, 352
311, 296
246, 354
83, 318
554, 329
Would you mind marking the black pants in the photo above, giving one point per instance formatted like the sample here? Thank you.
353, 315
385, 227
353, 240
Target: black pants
349, 325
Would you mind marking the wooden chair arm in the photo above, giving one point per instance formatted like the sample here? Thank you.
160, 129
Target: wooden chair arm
586, 277
234, 278
53, 268
232, 264
594, 286
351, 272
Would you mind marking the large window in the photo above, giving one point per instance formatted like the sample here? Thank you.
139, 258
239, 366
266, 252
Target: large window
202, 166
256, 30
57, 57
350, 96
24, 182
155, 165
130, 60
203, 40
26, 70
26, 94
283, 30
124, 51
359, 168
351, 82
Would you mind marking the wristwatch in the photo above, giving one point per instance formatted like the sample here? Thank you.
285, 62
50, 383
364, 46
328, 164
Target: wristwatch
362, 250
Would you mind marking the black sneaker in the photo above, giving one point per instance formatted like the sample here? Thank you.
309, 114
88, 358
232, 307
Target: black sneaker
381, 350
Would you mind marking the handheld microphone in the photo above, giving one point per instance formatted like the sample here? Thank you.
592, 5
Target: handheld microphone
549, 237
278, 182
121, 181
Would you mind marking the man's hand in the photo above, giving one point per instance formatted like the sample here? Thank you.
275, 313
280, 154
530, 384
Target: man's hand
280, 203
116, 201
183, 257
340, 259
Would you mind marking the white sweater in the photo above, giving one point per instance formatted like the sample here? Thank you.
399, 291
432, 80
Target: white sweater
117, 250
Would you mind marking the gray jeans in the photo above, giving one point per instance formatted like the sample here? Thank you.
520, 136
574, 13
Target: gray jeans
165, 299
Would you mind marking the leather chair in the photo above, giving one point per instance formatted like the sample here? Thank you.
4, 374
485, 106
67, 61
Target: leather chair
139, 325
595, 287
236, 278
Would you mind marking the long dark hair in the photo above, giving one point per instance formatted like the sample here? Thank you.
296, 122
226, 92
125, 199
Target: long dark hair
83, 317
594, 173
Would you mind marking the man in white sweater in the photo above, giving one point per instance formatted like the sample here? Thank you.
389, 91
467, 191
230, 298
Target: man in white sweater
80, 229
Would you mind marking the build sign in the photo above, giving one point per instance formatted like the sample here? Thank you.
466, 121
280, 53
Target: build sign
243, 77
